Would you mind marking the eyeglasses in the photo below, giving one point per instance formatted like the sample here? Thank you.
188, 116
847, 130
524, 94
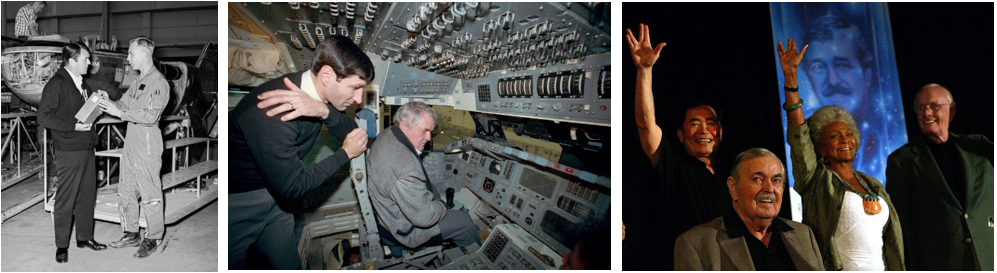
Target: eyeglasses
933, 106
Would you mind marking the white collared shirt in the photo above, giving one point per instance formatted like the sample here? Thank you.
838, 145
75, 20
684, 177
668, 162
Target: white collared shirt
308, 86
78, 80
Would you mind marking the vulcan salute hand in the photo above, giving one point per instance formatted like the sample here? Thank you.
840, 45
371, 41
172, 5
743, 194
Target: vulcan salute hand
644, 56
294, 100
788, 57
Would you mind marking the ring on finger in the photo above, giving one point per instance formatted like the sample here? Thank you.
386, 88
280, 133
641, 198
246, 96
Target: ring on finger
291, 104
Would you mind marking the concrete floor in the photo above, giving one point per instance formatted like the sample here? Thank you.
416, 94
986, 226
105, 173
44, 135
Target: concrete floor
28, 241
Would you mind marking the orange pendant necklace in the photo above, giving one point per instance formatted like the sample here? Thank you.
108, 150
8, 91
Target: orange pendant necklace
869, 201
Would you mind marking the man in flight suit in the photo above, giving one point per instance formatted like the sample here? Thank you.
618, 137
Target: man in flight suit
141, 159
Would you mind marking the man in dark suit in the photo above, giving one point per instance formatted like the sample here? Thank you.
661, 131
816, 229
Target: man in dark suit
942, 186
751, 236
76, 196
266, 148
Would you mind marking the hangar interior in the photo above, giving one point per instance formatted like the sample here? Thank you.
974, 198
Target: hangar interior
185, 34
522, 94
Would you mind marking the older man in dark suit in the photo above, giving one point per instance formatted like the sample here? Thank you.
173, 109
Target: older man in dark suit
62, 97
943, 189
751, 236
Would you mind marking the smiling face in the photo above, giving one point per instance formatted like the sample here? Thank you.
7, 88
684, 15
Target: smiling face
835, 71
701, 132
757, 191
934, 123
839, 142
420, 133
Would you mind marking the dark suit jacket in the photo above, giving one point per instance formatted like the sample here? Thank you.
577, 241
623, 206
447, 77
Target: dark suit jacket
939, 233
57, 112
265, 152
707, 247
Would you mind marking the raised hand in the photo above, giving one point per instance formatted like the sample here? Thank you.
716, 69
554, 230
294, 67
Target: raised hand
788, 56
292, 100
643, 54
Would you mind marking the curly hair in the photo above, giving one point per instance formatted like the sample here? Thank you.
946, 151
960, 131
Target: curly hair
826, 115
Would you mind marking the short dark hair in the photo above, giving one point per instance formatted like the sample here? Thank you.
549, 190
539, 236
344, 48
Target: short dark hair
71, 51
680, 120
824, 27
344, 57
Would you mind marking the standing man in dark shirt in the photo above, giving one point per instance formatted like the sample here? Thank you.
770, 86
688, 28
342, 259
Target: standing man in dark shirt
942, 186
266, 148
688, 193
751, 235
76, 197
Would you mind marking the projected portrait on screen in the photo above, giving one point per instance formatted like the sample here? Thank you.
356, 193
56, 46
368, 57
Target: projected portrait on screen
849, 63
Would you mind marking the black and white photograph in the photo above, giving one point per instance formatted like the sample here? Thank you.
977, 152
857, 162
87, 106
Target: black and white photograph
110, 139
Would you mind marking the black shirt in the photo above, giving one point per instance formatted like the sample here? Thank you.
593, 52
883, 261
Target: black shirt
774, 257
951, 165
685, 195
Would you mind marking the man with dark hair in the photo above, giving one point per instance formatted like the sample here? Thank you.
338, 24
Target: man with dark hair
408, 206
266, 148
141, 158
76, 197
689, 190
840, 65
942, 185
25, 24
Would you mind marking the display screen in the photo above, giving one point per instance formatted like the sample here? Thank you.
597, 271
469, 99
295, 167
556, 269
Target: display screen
561, 229
541, 183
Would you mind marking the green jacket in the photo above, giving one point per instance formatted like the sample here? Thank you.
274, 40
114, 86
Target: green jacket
940, 233
822, 194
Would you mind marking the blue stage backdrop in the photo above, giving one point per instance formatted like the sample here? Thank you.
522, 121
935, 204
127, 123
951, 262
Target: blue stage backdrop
850, 63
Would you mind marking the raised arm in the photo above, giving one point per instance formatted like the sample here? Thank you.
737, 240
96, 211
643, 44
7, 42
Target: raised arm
801, 148
644, 57
790, 61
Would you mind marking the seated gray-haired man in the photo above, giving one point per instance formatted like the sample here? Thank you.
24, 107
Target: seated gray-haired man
751, 236
407, 205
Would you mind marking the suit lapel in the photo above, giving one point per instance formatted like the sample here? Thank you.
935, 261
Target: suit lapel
925, 162
789, 239
736, 249
974, 175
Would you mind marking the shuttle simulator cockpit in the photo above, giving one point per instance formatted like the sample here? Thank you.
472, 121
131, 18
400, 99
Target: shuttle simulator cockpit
479, 140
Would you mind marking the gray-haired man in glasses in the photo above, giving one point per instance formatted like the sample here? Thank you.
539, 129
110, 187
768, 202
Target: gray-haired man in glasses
942, 186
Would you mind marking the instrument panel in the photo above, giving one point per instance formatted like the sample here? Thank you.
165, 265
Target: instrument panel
550, 201
461, 40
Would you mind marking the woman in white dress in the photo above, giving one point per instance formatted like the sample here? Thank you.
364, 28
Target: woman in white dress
849, 211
